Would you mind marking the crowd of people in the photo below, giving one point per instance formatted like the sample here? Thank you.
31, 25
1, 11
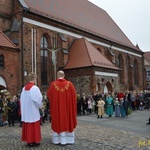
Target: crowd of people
10, 112
9, 109
118, 103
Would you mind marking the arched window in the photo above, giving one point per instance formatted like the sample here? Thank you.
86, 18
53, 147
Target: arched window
136, 75
1, 61
98, 88
121, 66
44, 59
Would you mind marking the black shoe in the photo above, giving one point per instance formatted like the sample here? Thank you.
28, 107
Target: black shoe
36, 144
29, 144
33, 144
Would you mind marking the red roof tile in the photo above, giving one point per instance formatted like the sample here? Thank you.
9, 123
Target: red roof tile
83, 54
6, 42
147, 55
81, 14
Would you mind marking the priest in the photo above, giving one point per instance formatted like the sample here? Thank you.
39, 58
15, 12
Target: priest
63, 110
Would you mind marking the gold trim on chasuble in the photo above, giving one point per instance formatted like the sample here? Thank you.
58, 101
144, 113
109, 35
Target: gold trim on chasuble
62, 89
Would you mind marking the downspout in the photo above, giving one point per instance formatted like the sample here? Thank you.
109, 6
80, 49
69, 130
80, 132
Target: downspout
22, 48
32, 47
143, 72
35, 53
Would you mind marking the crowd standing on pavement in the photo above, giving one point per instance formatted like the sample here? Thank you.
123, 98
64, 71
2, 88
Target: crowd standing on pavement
10, 108
119, 104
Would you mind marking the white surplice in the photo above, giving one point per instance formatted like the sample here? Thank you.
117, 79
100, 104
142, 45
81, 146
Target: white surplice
31, 101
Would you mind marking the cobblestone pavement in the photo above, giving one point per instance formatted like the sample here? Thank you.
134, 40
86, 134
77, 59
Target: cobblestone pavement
91, 134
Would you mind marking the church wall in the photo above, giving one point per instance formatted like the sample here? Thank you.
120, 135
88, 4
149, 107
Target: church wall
28, 51
81, 78
6, 7
85, 79
5, 13
102, 79
4, 23
127, 73
10, 70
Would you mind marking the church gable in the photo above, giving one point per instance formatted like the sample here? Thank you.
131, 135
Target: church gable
83, 54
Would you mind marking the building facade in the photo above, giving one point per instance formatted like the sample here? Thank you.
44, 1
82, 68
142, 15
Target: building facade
46, 32
147, 69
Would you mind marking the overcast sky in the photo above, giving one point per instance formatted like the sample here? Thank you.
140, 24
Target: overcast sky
133, 18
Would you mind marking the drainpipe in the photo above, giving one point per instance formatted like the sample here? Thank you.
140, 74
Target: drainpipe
143, 72
34, 30
32, 47
22, 49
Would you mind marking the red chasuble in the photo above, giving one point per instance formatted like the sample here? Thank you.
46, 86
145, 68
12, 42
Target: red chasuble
63, 103
31, 132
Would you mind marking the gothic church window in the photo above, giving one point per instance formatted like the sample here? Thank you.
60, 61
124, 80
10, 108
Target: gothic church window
136, 68
121, 66
1, 61
44, 60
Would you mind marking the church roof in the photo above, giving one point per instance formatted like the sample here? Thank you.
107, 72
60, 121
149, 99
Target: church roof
82, 15
6, 42
83, 54
147, 55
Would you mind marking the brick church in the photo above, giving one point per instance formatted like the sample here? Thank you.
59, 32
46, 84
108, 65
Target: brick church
43, 36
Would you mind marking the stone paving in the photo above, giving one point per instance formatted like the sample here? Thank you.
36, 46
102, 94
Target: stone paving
91, 134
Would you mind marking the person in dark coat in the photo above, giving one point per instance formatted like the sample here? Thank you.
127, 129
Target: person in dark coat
19, 113
148, 123
78, 104
1, 111
11, 106
126, 105
83, 101
96, 99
